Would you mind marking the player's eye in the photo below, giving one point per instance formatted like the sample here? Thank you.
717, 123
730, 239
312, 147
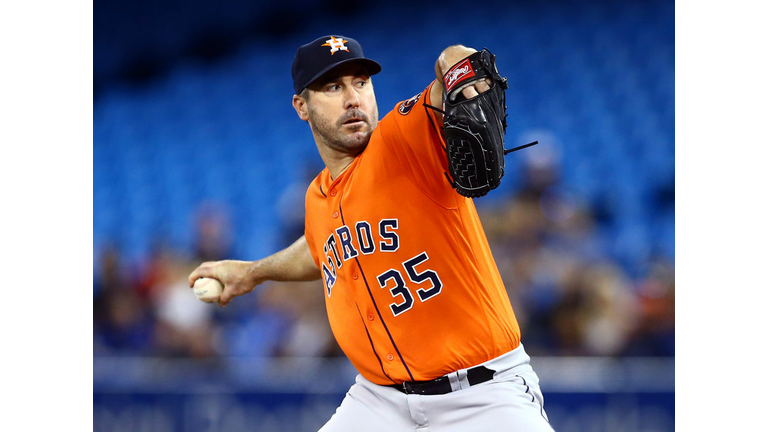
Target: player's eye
332, 87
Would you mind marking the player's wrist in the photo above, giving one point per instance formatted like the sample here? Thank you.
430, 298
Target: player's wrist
256, 273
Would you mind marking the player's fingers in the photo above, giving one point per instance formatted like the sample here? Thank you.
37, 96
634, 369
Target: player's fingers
193, 277
482, 85
203, 270
225, 298
469, 92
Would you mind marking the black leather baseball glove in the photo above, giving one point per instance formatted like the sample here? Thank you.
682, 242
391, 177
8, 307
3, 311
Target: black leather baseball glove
474, 128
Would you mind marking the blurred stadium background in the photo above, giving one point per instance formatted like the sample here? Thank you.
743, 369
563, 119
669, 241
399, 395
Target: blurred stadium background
198, 155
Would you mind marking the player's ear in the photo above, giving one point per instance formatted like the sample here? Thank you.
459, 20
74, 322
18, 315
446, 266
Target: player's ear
300, 105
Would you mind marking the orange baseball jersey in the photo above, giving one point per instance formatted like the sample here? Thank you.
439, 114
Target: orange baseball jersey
412, 291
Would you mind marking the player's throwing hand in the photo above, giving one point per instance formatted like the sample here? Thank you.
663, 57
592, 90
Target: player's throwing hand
236, 276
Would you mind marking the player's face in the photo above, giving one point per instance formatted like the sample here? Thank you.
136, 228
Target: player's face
342, 109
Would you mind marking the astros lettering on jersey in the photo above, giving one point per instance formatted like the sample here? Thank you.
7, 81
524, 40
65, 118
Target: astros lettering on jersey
412, 291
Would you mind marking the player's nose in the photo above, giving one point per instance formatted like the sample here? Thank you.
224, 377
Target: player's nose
351, 98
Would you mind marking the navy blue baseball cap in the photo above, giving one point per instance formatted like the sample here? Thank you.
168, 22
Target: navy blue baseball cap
323, 54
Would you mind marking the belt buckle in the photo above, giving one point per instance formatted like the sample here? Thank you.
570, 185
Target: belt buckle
405, 387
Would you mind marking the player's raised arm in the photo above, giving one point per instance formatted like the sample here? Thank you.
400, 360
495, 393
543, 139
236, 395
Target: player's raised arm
293, 263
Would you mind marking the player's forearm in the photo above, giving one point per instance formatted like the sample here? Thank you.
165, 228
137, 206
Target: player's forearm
293, 263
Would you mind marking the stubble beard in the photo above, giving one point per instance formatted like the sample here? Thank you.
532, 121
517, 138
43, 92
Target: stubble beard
334, 135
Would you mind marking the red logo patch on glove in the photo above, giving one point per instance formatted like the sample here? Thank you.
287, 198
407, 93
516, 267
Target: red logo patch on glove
460, 72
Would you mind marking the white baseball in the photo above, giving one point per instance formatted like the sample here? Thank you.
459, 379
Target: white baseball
208, 289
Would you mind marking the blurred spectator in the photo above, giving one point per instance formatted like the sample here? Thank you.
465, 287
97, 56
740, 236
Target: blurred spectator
655, 332
121, 324
156, 270
310, 334
184, 325
214, 232
541, 163
597, 313
110, 272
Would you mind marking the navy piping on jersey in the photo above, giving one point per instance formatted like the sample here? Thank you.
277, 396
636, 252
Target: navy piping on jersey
321, 191
373, 347
362, 273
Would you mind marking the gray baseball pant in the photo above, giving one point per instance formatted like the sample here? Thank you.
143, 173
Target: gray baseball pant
511, 401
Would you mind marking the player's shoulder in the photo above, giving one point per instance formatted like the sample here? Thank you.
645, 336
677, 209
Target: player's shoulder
409, 107
405, 107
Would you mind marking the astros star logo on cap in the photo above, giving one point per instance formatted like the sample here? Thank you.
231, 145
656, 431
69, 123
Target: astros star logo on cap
336, 45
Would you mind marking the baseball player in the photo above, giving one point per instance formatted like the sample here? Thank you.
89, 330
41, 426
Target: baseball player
412, 292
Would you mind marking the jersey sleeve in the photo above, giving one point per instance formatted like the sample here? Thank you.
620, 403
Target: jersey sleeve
411, 135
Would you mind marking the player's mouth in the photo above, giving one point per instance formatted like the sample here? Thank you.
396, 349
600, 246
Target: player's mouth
354, 122
354, 118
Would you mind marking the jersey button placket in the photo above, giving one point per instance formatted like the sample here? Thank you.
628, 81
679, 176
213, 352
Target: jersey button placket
390, 357
335, 214
333, 192
370, 317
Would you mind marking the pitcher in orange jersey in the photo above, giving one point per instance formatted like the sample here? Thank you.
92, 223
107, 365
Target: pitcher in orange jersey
412, 292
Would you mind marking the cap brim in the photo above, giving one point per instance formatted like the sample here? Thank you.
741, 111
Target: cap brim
372, 66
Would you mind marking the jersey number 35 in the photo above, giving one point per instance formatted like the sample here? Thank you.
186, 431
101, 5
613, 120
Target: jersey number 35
400, 289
